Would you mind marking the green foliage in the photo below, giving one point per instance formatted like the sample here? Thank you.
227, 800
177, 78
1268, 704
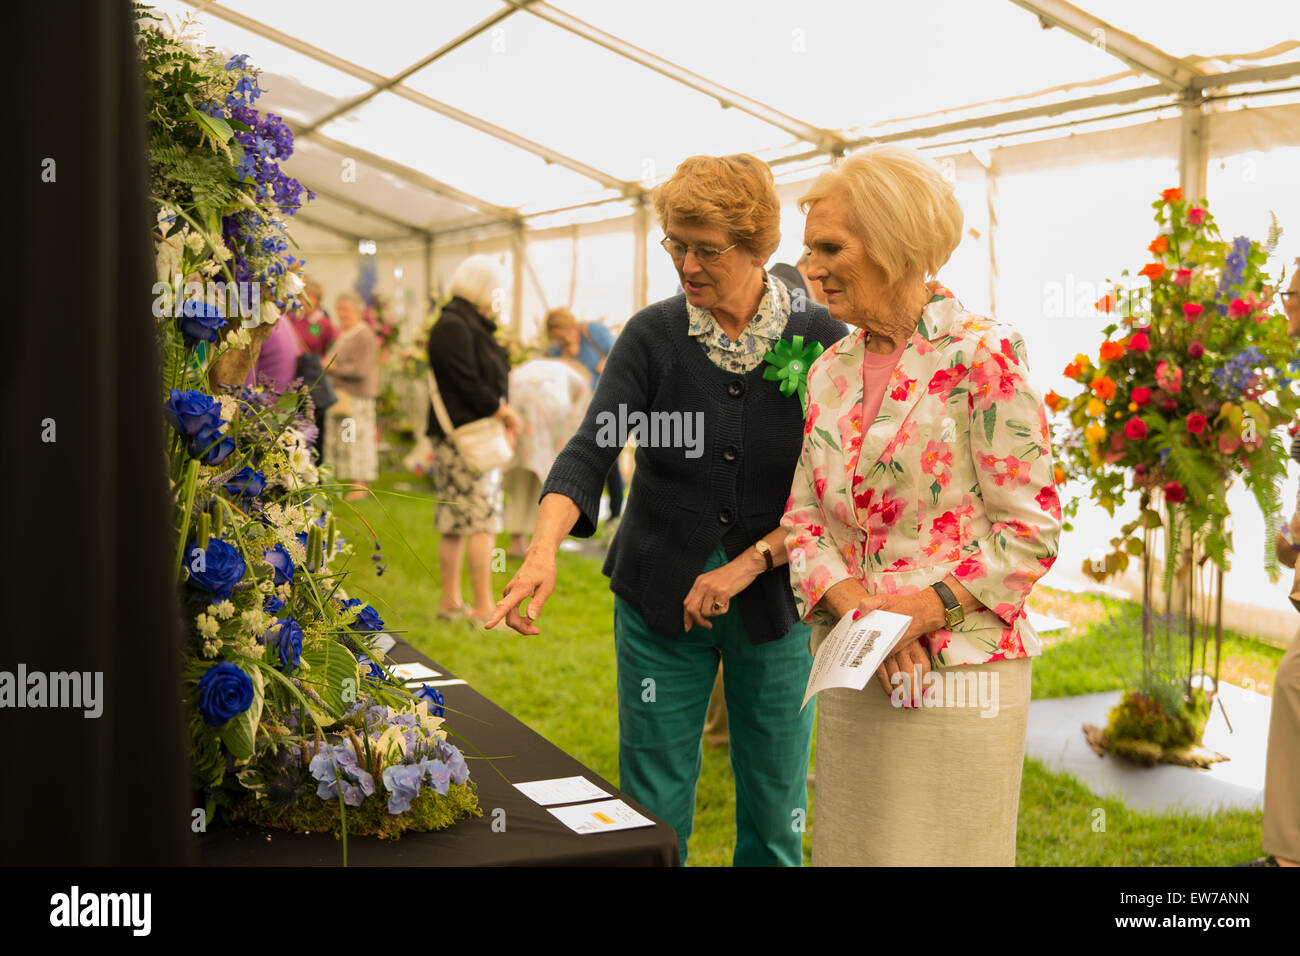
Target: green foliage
310, 814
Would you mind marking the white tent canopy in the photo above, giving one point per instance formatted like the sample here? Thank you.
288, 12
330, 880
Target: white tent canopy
535, 131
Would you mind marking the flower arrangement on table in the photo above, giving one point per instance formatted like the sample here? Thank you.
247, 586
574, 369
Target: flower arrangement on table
296, 722
1182, 398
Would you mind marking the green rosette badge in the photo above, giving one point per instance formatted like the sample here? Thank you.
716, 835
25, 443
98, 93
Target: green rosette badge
788, 363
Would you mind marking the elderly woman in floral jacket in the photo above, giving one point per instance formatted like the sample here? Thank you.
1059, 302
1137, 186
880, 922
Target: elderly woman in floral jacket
925, 488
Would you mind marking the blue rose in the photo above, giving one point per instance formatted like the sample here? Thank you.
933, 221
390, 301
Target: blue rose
192, 411
221, 568
368, 620
375, 670
287, 640
224, 692
278, 558
199, 322
247, 482
273, 605
212, 446
434, 697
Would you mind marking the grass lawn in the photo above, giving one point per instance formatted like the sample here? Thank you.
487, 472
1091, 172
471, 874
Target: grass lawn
561, 683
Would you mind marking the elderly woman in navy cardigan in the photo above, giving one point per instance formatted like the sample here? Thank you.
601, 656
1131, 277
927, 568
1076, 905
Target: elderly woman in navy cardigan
697, 566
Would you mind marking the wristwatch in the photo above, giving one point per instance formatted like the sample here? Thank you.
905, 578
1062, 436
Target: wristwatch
765, 549
952, 612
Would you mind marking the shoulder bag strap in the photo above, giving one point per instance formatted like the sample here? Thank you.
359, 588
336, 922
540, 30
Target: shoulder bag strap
439, 409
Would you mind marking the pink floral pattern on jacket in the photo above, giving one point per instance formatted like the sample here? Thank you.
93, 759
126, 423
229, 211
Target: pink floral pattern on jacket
954, 476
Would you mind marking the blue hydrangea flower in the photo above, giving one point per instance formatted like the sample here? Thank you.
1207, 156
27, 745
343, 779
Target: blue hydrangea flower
403, 785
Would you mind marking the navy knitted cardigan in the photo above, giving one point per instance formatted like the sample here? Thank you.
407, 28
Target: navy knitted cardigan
731, 486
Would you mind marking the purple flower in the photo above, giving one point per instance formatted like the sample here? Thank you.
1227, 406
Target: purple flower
439, 775
434, 697
217, 569
192, 411
278, 558
403, 784
224, 692
247, 482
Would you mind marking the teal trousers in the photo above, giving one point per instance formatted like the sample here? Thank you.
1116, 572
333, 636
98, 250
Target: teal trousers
664, 685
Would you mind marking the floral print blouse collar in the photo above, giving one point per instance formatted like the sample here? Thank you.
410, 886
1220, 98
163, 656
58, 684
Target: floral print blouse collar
763, 331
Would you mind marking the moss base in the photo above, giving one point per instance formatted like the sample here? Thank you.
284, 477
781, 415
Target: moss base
310, 814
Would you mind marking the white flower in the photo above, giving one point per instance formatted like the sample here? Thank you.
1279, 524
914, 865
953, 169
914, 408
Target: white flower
208, 626
225, 610
195, 242
240, 338
291, 284
256, 620
270, 314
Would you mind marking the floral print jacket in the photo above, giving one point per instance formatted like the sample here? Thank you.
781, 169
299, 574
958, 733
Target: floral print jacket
955, 475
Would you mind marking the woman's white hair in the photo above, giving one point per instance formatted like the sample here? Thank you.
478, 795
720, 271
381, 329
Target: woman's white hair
481, 281
900, 204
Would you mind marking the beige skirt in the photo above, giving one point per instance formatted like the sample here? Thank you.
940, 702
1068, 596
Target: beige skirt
935, 786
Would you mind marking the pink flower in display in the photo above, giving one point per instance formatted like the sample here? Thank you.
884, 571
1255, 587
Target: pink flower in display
1183, 277
1169, 377
1049, 501
1192, 310
1196, 215
1196, 423
1141, 395
1136, 429
1196, 350
1139, 342
1239, 309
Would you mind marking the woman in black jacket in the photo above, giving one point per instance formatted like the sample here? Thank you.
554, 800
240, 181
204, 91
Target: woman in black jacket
472, 371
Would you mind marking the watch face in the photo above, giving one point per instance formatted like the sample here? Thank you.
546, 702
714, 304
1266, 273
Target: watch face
954, 617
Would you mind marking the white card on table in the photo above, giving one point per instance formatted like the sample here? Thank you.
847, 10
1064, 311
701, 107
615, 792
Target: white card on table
603, 817
383, 643
415, 684
413, 671
560, 790
854, 650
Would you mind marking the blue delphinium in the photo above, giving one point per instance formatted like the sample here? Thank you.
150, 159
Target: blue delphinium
1235, 374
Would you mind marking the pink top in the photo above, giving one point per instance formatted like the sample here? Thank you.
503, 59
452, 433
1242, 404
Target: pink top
877, 370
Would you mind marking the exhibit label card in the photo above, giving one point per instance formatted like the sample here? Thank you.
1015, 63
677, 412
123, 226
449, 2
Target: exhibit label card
560, 790
414, 671
854, 650
602, 817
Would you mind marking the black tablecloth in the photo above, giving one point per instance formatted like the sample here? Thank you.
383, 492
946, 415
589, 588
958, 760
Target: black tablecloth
532, 836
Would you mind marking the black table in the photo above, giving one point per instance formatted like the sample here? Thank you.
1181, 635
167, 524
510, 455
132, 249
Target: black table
531, 836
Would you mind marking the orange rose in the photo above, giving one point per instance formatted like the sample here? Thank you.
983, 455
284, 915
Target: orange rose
1153, 271
1103, 387
1159, 244
1073, 370
1172, 195
1110, 351
1052, 401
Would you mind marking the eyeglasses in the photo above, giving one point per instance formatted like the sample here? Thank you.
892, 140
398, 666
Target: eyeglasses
705, 254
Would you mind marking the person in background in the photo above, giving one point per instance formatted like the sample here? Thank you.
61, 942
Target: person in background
551, 397
277, 360
588, 343
472, 370
316, 332
1282, 770
352, 365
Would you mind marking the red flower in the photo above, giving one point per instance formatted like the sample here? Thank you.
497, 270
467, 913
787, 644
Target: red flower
1183, 277
945, 380
1174, 493
1239, 309
1196, 423
1196, 215
1172, 195
1136, 429
1192, 310
972, 567
1049, 501
1141, 395
1196, 350
1139, 342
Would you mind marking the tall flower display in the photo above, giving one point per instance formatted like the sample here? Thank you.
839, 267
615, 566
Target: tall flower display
1183, 397
296, 721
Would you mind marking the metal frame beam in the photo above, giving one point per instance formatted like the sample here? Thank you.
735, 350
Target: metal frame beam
321, 224
380, 84
367, 210
411, 175
827, 141
1127, 48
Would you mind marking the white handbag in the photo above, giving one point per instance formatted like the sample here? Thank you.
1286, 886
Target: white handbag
482, 444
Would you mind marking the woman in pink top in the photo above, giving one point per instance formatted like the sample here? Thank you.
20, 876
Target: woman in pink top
925, 488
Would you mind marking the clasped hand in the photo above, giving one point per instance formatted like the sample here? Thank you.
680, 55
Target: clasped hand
909, 660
